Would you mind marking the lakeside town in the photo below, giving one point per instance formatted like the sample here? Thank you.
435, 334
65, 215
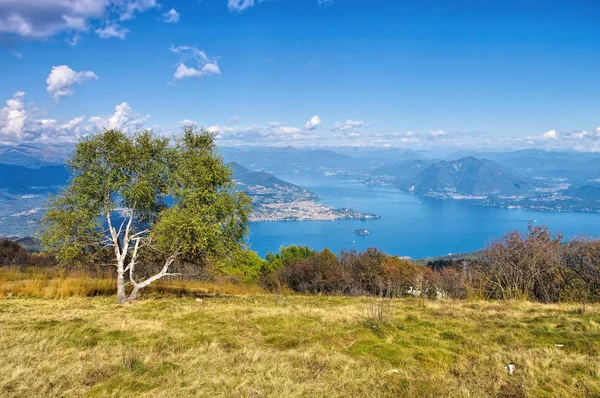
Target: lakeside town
304, 211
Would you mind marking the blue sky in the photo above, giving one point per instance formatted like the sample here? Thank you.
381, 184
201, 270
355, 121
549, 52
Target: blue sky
396, 73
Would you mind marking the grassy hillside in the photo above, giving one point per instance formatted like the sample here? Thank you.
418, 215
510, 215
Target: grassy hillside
275, 346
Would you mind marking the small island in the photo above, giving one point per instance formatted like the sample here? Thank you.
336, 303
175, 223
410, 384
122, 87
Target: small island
362, 232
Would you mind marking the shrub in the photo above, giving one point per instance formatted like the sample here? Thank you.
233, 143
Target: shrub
276, 261
319, 273
526, 265
13, 254
452, 283
398, 276
363, 270
581, 270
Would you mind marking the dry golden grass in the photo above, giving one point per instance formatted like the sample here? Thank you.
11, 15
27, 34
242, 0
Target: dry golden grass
295, 346
54, 283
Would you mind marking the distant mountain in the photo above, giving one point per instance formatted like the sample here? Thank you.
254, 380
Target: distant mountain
15, 178
542, 163
404, 170
291, 160
35, 155
380, 155
467, 176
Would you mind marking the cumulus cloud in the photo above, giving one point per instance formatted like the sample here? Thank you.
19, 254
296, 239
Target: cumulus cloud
313, 123
62, 78
171, 16
13, 117
17, 124
39, 19
203, 65
123, 119
187, 122
550, 135
111, 30
183, 71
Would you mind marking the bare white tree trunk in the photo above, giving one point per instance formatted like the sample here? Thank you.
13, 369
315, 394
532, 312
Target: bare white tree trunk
123, 249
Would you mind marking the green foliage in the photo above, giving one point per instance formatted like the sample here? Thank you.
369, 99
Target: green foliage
245, 267
112, 171
208, 216
286, 255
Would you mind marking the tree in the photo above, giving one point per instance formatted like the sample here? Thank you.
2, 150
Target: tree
117, 198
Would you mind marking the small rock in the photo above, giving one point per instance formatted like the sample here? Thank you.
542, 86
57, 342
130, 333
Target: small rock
199, 300
392, 371
511, 368
559, 345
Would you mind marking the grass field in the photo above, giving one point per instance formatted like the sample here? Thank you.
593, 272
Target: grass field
295, 346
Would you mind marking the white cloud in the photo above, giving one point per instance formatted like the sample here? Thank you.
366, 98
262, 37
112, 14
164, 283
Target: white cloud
216, 129
313, 123
273, 133
17, 54
287, 130
74, 40
235, 120
171, 16
123, 119
187, 122
39, 19
43, 18
62, 78
349, 124
208, 69
324, 3
17, 124
205, 66
128, 9
438, 133
112, 30
12, 118
239, 5
73, 124
550, 135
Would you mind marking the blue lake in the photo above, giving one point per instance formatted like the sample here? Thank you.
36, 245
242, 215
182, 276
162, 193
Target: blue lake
409, 226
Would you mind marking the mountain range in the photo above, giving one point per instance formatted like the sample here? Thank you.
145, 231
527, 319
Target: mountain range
35, 155
534, 179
